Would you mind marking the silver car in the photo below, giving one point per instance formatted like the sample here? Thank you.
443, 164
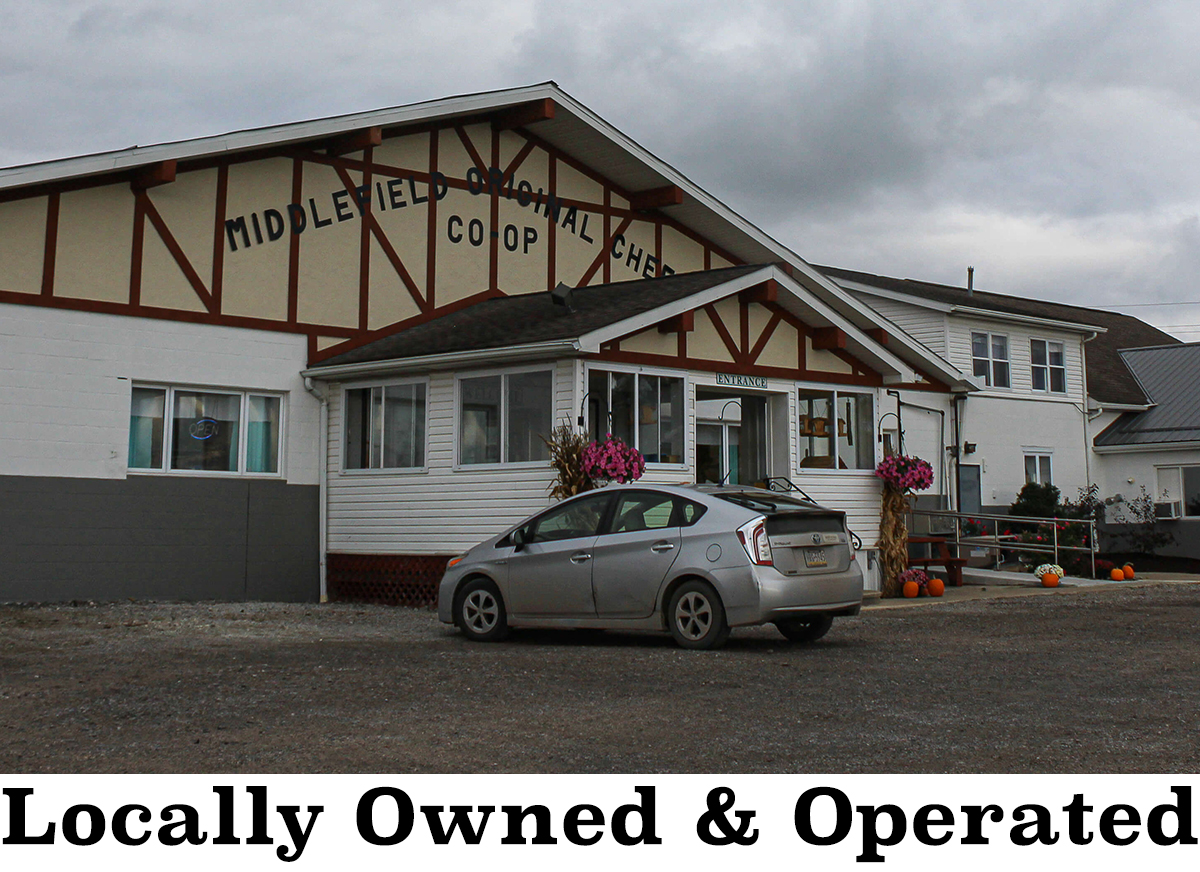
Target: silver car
694, 561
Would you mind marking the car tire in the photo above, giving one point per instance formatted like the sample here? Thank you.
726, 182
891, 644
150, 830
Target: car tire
479, 611
696, 617
805, 629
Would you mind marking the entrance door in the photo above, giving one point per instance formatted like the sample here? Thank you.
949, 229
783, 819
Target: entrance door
731, 438
970, 491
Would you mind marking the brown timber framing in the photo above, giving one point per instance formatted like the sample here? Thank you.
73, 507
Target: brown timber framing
333, 152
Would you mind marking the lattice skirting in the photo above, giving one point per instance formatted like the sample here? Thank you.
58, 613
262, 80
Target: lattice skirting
389, 579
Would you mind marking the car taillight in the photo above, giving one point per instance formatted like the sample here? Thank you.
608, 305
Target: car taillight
753, 537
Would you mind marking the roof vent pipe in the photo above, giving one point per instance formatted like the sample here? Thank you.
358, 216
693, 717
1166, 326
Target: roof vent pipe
970, 281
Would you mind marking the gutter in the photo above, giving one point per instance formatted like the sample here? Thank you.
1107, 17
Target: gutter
1072, 326
321, 392
1140, 447
533, 351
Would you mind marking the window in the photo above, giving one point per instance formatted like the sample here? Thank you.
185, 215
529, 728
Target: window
576, 519
836, 430
645, 411
1180, 486
503, 418
385, 427
648, 510
1048, 366
989, 358
1037, 469
192, 430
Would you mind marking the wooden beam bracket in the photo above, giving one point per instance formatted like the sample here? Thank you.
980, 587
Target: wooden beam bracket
524, 115
879, 335
767, 292
683, 323
161, 173
359, 140
656, 198
829, 339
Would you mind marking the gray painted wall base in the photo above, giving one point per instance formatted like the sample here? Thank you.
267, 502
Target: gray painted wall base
158, 537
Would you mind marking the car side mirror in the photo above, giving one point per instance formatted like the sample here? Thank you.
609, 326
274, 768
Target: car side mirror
518, 539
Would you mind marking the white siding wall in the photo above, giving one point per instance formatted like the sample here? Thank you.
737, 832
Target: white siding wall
1019, 335
925, 325
441, 510
66, 376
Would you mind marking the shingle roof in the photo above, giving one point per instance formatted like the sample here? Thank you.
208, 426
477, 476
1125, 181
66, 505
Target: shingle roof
1171, 376
1109, 379
524, 319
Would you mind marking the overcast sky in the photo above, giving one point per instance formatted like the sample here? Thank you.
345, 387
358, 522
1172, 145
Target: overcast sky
1054, 146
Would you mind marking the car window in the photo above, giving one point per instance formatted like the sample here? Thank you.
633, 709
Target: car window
573, 520
690, 513
643, 511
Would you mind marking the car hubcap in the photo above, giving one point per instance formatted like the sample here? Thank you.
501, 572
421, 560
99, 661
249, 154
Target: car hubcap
693, 616
480, 611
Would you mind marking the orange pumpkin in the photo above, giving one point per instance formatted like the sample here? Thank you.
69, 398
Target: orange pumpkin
1049, 580
935, 587
1117, 574
1127, 569
911, 589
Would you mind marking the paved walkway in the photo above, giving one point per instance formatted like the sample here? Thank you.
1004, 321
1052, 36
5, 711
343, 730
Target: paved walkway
1009, 584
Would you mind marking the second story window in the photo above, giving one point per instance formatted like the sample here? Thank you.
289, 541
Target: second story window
989, 358
1048, 366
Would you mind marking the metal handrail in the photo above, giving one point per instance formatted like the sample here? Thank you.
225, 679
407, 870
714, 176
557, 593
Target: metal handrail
994, 540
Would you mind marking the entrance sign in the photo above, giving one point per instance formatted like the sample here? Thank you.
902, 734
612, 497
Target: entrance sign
741, 381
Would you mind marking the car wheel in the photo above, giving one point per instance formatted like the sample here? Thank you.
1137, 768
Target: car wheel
696, 617
806, 629
479, 611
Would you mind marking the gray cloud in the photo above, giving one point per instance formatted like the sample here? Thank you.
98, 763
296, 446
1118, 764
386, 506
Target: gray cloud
1054, 146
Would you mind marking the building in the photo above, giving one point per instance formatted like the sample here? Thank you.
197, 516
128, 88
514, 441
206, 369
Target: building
213, 349
1050, 377
319, 358
1157, 448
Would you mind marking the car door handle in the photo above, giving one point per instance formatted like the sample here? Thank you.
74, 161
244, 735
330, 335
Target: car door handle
660, 547
580, 557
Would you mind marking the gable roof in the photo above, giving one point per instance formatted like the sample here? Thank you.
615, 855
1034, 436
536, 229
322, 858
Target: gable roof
1110, 381
527, 326
569, 127
529, 319
1170, 375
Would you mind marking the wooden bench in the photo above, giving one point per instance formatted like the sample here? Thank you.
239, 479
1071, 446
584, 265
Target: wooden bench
952, 565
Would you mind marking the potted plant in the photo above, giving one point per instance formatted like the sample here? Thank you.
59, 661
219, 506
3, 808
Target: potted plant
901, 475
612, 460
1049, 573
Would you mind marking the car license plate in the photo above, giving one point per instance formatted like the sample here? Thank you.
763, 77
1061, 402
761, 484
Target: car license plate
815, 557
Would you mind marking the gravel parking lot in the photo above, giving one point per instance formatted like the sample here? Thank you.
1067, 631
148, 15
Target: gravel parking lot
1094, 680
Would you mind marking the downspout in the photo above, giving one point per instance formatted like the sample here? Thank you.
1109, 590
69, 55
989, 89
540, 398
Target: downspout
321, 392
1087, 442
957, 426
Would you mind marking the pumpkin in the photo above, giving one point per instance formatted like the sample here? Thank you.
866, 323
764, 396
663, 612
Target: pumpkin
1127, 570
911, 589
1117, 574
935, 587
1049, 580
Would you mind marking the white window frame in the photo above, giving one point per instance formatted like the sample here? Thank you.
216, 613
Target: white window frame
1047, 366
243, 420
1162, 495
459, 377
638, 371
837, 393
382, 470
990, 378
1038, 453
